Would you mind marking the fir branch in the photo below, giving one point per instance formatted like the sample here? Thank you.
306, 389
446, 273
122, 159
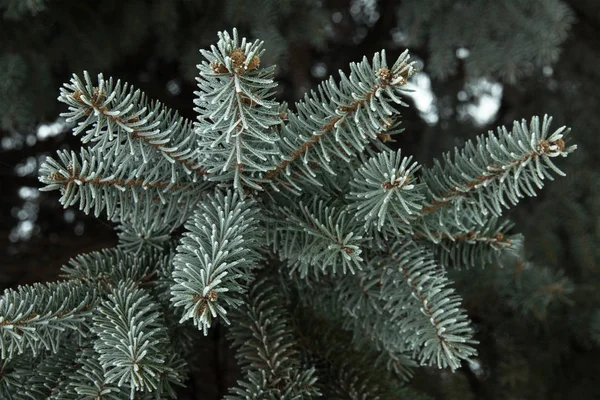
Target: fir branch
108, 267
35, 317
368, 298
346, 385
13, 375
235, 112
258, 386
131, 340
340, 120
120, 116
142, 154
137, 236
267, 347
90, 381
50, 375
448, 338
90, 181
468, 244
89, 169
495, 171
361, 292
262, 333
384, 190
214, 259
337, 355
317, 237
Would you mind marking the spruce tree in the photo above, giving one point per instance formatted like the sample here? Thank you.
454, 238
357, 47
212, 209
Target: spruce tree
324, 251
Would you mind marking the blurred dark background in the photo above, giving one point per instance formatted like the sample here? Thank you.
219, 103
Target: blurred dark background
484, 64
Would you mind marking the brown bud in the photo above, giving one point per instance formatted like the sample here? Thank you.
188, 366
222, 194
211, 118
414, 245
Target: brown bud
254, 63
384, 137
218, 67
77, 96
560, 144
212, 296
238, 57
384, 75
543, 146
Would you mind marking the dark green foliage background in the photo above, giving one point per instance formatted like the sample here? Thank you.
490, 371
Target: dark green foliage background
154, 45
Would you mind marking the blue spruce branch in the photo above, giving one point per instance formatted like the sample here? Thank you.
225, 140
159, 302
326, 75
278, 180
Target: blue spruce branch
361, 233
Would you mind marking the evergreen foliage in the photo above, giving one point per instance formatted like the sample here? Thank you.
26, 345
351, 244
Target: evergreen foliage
269, 355
512, 37
128, 27
215, 259
294, 219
